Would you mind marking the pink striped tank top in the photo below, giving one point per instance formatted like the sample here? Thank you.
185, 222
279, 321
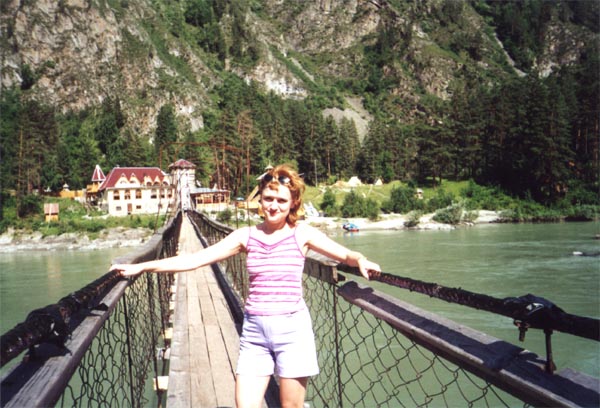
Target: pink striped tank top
275, 275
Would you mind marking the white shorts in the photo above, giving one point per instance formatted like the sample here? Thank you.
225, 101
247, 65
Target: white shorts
282, 344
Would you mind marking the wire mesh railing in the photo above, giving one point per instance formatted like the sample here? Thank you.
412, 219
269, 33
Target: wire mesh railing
374, 364
108, 356
367, 361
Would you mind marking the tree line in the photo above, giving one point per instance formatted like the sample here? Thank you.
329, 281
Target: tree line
533, 137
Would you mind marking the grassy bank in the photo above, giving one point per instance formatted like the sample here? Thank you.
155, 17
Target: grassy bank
451, 198
73, 217
452, 203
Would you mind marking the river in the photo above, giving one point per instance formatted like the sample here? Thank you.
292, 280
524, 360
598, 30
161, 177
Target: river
34, 279
500, 260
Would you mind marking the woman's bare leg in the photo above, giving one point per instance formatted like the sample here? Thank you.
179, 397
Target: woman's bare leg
292, 392
250, 390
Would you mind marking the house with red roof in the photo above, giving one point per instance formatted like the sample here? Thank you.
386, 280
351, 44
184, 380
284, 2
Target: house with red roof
135, 190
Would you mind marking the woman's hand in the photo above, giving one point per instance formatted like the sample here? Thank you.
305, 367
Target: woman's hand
368, 269
127, 270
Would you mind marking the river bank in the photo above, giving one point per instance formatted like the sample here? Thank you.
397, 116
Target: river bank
397, 222
14, 240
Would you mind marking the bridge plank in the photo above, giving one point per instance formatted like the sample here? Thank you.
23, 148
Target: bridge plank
178, 394
214, 322
230, 331
210, 335
202, 383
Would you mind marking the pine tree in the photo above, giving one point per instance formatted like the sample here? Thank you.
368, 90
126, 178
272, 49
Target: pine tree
38, 137
165, 134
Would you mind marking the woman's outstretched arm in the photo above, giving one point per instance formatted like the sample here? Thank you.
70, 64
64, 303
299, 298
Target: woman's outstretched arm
232, 244
321, 243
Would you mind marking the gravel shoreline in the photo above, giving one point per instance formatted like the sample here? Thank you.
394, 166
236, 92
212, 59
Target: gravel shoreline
396, 222
14, 241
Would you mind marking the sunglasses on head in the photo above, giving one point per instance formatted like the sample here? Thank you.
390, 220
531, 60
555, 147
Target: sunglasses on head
281, 179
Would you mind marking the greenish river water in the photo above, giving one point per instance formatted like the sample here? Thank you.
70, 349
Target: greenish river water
500, 260
34, 279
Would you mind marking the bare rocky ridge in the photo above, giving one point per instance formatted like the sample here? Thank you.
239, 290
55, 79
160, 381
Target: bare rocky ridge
83, 51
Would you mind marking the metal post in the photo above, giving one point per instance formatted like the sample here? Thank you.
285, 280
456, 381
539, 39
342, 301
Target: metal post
340, 386
128, 342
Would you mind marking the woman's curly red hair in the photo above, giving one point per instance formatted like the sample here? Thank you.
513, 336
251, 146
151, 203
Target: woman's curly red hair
296, 186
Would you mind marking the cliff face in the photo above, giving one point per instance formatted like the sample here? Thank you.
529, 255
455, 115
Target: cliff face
75, 53
81, 52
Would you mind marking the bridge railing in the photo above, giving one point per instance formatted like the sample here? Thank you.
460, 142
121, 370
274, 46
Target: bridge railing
375, 350
100, 345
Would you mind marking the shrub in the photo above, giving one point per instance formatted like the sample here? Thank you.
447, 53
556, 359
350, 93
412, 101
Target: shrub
371, 209
357, 206
29, 205
470, 216
53, 228
452, 214
414, 217
442, 199
4, 224
328, 205
485, 198
225, 216
135, 221
94, 226
353, 205
529, 211
402, 200
583, 213
579, 195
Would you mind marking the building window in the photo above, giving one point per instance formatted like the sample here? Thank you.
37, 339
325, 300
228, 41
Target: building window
153, 194
127, 195
118, 208
138, 207
138, 194
116, 195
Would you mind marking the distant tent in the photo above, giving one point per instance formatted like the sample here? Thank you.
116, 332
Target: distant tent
379, 182
310, 209
354, 181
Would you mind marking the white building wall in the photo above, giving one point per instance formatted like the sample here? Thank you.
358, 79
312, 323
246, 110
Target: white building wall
152, 198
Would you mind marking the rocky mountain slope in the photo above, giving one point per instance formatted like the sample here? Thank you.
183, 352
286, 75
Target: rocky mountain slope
72, 54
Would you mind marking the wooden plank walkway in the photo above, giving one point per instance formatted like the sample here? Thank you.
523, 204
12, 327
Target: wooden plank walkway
205, 343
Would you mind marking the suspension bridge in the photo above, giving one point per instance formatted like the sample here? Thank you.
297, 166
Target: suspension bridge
172, 340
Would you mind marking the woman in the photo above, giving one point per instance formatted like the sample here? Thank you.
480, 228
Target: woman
277, 336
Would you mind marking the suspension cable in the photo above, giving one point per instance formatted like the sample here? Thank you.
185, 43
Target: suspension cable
528, 311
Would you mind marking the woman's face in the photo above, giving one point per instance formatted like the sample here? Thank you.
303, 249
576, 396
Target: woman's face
276, 204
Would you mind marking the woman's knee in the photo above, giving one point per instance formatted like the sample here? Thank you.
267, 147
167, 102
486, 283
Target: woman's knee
292, 392
250, 390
